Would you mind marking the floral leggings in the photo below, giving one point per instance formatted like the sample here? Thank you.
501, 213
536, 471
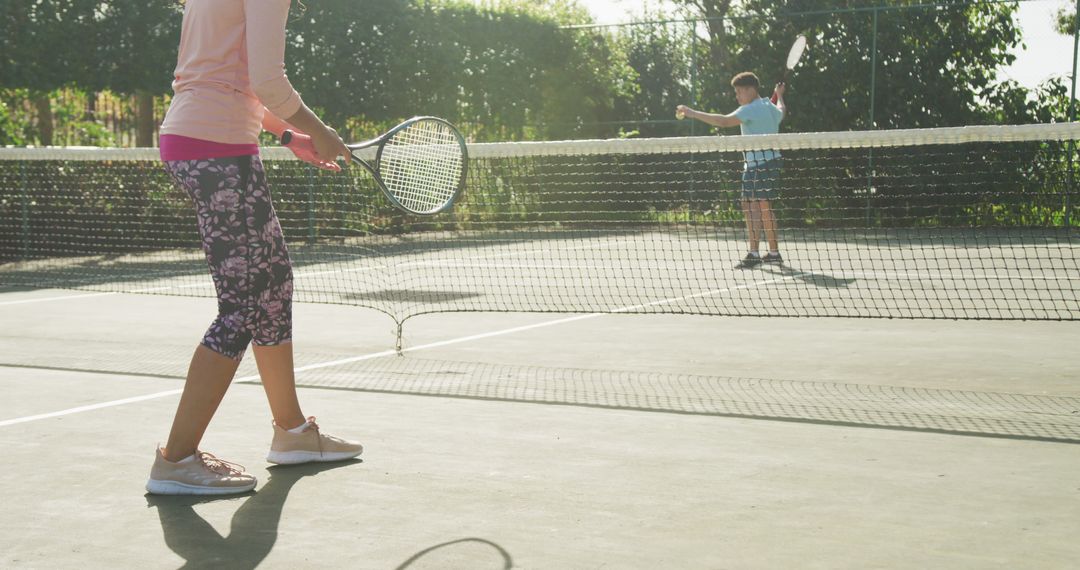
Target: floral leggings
245, 250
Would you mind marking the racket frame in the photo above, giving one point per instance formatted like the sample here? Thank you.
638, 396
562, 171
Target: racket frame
800, 43
796, 55
380, 142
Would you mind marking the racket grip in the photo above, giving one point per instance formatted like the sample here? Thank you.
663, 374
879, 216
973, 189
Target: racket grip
776, 97
286, 137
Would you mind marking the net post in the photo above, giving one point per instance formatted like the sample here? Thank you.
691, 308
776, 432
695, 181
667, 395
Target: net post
310, 206
693, 70
399, 340
1072, 118
693, 89
24, 226
1070, 184
873, 97
873, 69
1076, 45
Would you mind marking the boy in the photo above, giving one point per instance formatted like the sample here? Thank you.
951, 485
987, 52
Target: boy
755, 116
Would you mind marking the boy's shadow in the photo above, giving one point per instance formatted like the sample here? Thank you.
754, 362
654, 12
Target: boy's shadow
254, 527
815, 279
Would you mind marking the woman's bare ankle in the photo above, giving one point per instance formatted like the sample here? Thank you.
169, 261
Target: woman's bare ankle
291, 422
172, 457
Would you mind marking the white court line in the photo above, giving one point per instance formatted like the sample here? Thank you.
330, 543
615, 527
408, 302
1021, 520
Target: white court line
517, 265
439, 263
304, 274
43, 299
91, 407
957, 275
84, 296
252, 378
167, 287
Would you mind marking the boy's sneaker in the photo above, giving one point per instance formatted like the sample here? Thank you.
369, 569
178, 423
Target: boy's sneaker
773, 258
749, 262
199, 474
309, 445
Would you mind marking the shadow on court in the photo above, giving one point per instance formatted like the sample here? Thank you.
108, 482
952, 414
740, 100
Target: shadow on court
254, 529
430, 555
622, 441
810, 278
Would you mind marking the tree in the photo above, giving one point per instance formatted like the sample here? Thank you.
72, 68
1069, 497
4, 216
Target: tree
127, 46
935, 66
1065, 21
660, 57
717, 15
136, 54
505, 72
48, 44
584, 74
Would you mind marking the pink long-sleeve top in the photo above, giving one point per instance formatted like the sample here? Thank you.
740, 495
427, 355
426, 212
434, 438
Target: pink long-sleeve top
231, 65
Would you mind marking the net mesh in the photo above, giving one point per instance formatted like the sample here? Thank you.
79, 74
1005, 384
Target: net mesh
961, 223
422, 164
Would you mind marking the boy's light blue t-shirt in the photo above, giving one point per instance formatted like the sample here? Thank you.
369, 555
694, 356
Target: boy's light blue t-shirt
759, 117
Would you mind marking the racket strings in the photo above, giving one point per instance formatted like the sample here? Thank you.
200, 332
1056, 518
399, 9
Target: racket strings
421, 165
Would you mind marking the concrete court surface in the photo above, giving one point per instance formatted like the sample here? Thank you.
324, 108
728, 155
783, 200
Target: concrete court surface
460, 482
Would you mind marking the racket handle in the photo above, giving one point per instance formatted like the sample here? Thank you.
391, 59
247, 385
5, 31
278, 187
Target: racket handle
286, 137
776, 97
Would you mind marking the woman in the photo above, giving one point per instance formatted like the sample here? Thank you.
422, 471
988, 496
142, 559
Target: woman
230, 84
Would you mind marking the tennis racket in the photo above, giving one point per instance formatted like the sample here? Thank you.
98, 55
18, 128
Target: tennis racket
420, 165
793, 57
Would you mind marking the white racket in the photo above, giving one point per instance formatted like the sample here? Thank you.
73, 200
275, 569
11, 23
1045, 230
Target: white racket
793, 57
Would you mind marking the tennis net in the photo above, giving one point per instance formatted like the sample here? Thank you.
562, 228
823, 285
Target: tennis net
956, 223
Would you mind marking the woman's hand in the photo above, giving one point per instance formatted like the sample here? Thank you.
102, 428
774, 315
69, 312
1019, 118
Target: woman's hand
304, 148
328, 146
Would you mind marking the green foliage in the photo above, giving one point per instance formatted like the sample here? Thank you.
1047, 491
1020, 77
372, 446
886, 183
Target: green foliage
48, 43
136, 47
935, 66
64, 208
510, 70
70, 113
660, 58
584, 77
89, 45
1065, 21
122, 45
1013, 104
504, 72
15, 120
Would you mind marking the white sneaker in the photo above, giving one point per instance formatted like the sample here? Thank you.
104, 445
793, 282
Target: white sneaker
199, 474
309, 445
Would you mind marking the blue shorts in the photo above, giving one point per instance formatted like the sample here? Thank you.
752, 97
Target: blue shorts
760, 182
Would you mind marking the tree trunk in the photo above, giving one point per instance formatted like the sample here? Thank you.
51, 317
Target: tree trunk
716, 13
90, 114
144, 135
43, 106
719, 48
